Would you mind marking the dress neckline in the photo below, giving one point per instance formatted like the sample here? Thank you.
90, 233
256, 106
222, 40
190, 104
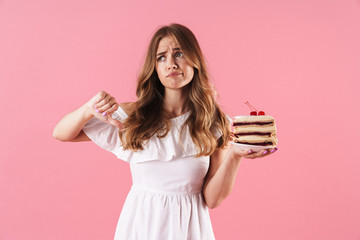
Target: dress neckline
178, 118
183, 116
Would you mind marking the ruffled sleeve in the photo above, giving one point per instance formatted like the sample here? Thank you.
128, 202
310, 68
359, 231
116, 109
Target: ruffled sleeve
105, 135
164, 149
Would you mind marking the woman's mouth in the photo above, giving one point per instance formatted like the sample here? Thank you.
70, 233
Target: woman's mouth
173, 74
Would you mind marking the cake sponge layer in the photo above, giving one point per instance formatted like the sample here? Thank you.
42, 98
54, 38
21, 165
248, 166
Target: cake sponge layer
255, 130
257, 140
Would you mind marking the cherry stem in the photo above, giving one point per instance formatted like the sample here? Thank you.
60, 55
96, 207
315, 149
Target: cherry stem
251, 106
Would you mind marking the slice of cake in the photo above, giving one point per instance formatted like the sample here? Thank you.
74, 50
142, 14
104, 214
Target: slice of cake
255, 130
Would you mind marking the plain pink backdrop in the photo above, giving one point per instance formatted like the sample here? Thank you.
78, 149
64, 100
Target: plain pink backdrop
298, 61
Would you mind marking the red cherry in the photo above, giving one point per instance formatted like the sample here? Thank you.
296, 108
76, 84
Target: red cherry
254, 111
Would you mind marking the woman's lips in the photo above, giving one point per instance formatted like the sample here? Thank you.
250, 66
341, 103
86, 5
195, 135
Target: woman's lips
173, 74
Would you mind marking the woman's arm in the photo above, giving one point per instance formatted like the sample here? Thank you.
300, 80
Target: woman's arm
69, 127
224, 165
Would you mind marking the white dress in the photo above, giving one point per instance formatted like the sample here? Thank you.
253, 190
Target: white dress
165, 201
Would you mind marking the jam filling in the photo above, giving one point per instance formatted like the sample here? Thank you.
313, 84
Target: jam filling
257, 144
253, 133
252, 123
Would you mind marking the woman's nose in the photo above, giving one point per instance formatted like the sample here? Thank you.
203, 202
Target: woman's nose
171, 63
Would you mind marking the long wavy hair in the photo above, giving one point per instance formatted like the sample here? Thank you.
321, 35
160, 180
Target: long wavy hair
205, 118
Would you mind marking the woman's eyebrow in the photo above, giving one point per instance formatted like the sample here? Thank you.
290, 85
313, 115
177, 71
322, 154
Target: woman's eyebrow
166, 51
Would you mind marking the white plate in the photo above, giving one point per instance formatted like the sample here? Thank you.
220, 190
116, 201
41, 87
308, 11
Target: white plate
252, 147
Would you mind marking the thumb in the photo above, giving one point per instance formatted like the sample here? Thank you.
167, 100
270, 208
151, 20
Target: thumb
116, 123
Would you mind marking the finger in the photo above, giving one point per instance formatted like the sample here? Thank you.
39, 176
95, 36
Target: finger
103, 102
269, 151
274, 150
111, 109
116, 123
107, 106
100, 96
262, 153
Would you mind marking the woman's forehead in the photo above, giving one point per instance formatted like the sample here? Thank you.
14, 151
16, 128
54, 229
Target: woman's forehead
168, 42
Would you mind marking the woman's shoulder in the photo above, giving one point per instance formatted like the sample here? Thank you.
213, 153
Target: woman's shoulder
128, 107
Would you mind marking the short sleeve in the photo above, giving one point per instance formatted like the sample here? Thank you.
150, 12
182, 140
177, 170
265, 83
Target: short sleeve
105, 135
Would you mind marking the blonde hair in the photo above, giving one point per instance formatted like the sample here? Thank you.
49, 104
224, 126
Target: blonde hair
206, 116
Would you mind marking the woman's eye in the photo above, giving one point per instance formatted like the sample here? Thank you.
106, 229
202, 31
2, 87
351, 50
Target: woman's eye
160, 58
179, 54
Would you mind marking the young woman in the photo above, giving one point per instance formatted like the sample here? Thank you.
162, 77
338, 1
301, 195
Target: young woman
175, 138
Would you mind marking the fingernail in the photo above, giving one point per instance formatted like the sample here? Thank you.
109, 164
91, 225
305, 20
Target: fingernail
104, 113
98, 110
95, 106
265, 152
272, 150
249, 151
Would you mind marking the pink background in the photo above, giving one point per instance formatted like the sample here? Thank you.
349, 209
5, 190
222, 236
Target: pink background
296, 60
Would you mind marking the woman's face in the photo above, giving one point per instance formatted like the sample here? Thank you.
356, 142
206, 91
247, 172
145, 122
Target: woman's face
171, 66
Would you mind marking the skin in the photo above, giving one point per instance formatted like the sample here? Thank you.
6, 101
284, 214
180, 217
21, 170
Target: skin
224, 163
170, 58
101, 106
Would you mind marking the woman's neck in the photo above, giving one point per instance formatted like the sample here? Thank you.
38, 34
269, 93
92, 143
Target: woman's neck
175, 101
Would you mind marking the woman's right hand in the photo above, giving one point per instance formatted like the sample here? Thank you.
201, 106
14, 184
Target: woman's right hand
102, 106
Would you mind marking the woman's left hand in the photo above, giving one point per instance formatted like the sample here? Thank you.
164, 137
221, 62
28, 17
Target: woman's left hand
251, 154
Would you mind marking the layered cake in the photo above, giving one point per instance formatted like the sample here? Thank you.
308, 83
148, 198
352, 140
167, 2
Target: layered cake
255, 130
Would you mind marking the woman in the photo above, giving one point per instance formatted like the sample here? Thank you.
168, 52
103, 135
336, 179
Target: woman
175, 137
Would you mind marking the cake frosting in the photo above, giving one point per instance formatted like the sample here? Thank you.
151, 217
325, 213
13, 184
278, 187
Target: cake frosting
255, 130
